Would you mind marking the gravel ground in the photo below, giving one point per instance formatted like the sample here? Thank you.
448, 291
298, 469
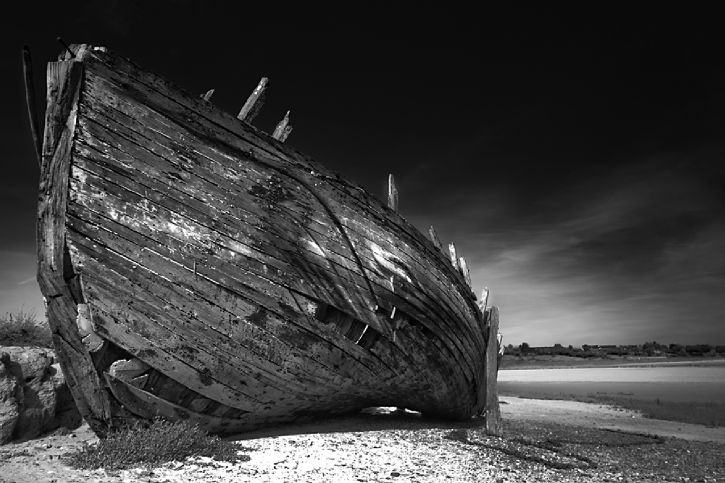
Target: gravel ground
403, 447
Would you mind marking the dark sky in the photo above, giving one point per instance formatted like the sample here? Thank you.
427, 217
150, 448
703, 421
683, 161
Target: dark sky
575, 157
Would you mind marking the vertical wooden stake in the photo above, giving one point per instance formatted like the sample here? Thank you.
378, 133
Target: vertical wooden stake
484, 300
283, 129
254, 102
392, 193
464, 270
454, 256
492, 411
434, 238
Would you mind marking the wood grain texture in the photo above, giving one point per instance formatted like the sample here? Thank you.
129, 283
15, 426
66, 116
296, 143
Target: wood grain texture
230, 277
64, 83
492, 413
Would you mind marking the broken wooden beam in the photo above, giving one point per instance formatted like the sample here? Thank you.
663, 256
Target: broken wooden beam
283, 129
254, 102
454, 256
207, 95
392, 193
434, 238
484, 300
463, 266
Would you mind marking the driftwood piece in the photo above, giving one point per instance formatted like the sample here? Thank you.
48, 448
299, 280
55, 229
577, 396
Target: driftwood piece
283, 129
254, 102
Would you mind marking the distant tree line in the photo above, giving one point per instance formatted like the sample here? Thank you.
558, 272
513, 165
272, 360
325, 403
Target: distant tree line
595, 350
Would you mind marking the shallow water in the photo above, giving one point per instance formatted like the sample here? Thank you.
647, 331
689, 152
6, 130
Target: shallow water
669, 383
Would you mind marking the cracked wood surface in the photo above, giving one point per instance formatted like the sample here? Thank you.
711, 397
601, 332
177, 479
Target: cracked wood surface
207, 250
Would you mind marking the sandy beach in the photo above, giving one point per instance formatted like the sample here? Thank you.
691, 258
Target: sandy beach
544, 440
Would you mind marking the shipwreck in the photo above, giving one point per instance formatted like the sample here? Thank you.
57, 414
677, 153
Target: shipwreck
195, 267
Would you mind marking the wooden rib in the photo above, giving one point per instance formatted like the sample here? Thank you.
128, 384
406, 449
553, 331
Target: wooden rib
464, 270
434, 238
283, 129
207, 95
454, 256
251, 108
392, 193
483, 303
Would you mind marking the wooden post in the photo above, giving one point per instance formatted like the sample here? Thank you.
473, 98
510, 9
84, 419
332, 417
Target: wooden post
464, 270
207, 95
492, 412
283, 129
254, 102
454, 256
434, 238
392, 193
483, 304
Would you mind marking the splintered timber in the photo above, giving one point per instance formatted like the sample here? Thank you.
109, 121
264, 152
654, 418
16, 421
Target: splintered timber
197, 268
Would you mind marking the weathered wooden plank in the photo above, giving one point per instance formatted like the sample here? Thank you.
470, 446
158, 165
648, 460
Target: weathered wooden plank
458, 304
166, 242
254, 102
149, 223
291, 365
283, 129
175, 108
454, 256
483, 303
63, 80
434, 238
392, 193
492, 413
187, 109
461, 277
359, 307
155, 261
148, 406
464, 270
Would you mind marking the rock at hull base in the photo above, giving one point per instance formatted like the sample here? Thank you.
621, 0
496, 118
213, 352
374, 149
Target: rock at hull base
34, 398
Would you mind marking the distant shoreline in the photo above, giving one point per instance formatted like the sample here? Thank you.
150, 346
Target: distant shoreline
511, 362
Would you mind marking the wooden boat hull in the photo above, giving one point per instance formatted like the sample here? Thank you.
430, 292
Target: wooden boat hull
194, 267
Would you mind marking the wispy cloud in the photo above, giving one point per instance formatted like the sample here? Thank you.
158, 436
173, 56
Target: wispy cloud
634, 255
